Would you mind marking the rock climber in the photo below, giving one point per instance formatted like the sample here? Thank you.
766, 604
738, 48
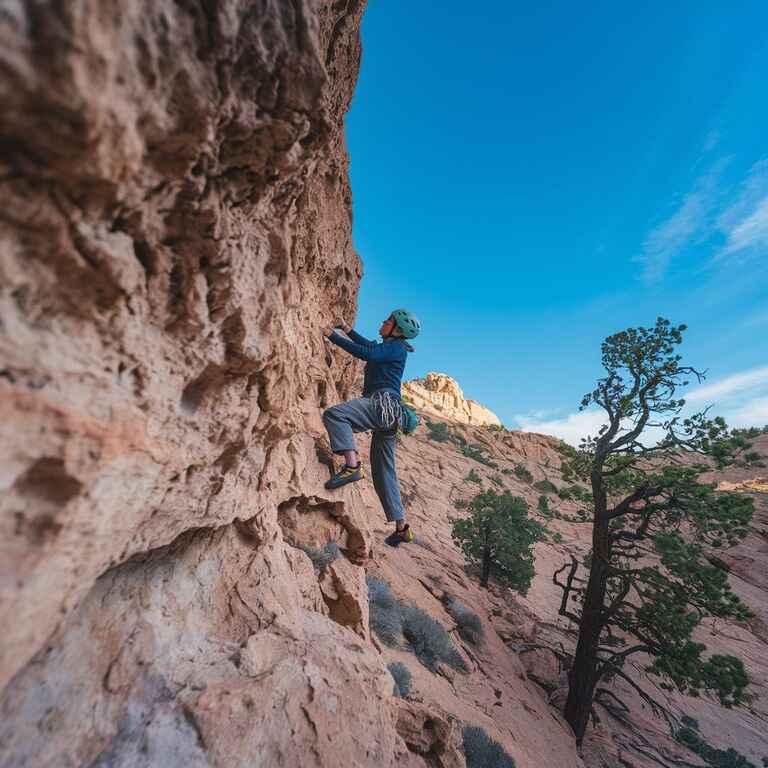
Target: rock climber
379, 409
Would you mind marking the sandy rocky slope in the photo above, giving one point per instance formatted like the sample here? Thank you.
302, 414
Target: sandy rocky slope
175, 229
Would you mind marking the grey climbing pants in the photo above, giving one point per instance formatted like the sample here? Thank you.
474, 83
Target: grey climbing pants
380, 414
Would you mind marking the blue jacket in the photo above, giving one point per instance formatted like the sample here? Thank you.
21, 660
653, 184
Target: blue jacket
385, 362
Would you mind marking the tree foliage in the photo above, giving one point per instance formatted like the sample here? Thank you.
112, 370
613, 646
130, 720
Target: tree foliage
499, 536
651, 578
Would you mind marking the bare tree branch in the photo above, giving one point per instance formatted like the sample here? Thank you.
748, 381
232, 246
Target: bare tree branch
567, 589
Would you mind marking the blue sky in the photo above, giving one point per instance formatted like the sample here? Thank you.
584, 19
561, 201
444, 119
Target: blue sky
529, 179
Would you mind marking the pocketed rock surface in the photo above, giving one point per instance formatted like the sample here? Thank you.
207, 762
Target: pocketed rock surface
175, 231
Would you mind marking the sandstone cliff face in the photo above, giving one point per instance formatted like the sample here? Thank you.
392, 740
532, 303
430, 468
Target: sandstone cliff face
439, 395
175, 228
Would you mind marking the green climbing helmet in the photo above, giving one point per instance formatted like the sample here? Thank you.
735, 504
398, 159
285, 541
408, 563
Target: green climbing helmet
407, 322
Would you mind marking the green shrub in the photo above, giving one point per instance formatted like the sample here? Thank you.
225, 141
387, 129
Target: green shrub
497, 480
322, 558
543, 507
481, 751
429, 640
461, 503
523, 474
717, 758
752, 459
469, 624
750, 432
545, 486
689, 722
494, 427
574, 492
437, 431
506, 471
476, 452
473, 477
384, 612
557, 537
402, 677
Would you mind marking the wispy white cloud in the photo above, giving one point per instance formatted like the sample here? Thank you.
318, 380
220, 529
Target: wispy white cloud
752, 413
737, 217
756, 319
745, 222
711, 140
570, 428
687, 224
751, 231
725, 388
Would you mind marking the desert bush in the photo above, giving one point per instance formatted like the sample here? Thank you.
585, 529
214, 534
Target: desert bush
473, 477
576, 492
481, 751
437, 431
322, 558
543, 507
497, 480
476, 452
494, 427
750, 431
461, 503
469, 624
384, 612
402, 678
545, 486
716, 758
752, 459
429, 640
506, 471
523, 474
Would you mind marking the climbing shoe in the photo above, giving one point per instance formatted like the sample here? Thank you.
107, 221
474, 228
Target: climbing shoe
404, 536
346, 475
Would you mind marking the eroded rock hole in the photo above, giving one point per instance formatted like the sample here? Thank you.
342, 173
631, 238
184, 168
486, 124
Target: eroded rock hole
201, 387
144, 256
47, 479
307, 523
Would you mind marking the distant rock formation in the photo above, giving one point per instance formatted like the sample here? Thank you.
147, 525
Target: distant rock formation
756, 485
441, 395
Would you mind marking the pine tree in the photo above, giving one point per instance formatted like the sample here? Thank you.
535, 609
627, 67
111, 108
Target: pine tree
499, 535
652, 576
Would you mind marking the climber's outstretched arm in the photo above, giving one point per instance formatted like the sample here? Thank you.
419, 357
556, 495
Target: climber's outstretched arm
380, 353
355, 336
